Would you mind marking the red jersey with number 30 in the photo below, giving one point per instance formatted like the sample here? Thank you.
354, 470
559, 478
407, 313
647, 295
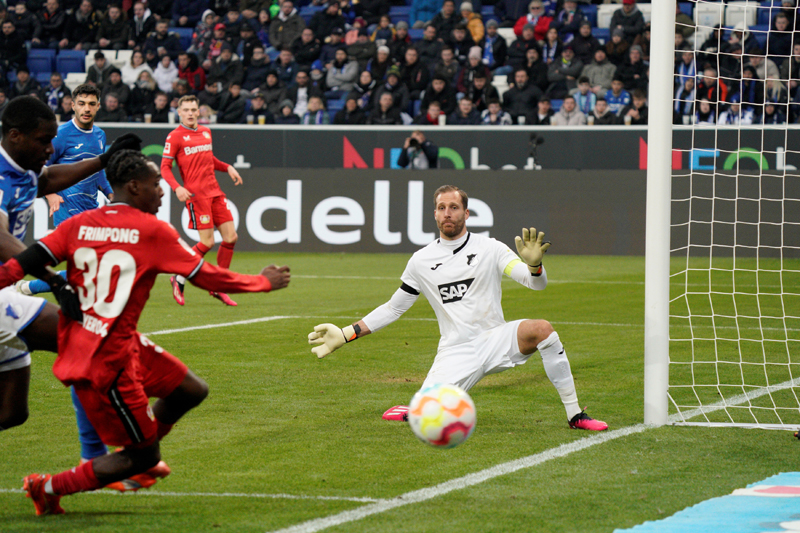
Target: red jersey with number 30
192, 150
113, 255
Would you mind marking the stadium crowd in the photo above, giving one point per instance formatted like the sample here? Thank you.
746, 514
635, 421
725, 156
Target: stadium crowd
348, 62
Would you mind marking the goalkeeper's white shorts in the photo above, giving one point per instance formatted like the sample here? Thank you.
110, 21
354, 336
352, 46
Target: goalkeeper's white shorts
17, 311
466, 364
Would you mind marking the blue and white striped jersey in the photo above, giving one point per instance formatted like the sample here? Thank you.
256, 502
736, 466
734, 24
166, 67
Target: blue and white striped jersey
18, 190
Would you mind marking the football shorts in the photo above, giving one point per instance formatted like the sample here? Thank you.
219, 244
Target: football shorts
122, 415
466, 364
208, 213
17, 311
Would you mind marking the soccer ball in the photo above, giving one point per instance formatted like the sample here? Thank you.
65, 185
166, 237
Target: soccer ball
442, 415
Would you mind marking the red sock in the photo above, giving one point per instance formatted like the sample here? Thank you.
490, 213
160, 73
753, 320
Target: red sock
201, 249
225, 254
162, 429
78, 479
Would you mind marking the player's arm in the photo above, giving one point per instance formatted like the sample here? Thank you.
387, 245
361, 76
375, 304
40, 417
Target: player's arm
530, 272
214, 278
58, 177
331, 337
232, 172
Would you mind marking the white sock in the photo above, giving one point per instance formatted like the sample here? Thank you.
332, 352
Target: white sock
181, 280
556, 366
48, 486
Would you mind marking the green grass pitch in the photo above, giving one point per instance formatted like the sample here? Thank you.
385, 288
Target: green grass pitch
278, 421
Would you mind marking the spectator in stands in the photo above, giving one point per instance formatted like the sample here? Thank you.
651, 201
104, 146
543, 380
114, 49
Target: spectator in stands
25, 84
473, 22
363, 91
233, 21
189, 69
115, 86
617, 47
494, 49
401, 42
306, 48
735, 115
552, 47
386, 112
363, 49
258, 108
226, 69
55, 91
568, 115
510, 11
414, 74
351, 114
232, 105
300, 92
568, 21
26, 23
110, 111
544, 112
378, 65
518, 50
251, 8
643, 40
442, 92
706, 113
563, 73
790, 71
683, 104
324, 22
244, 44
764, 66
481, 92
535, 17
602, 115
373, 10
731, 63
211, 49
685, 68
167, 72
684, 24
286, 115
114, 32
64, 114
471, 69
342, 74
710, 88
142, 23
132, 69
743, 36
286, 27
418, 153
392, 85
384, 33
521, 99
180, 88
464, 115
99, 71
637, 109
187, 13
52, 22
315, 114
447, 67
461, 42
629, 19
537, 70
203, 31
273, 91
430, 116
429, 47
711, 47
142, 94
494, 115
585, 44
600, 72
584, 97
286, 67
633, 72
13, 52
81, 27
158, 109
255, 74
210, 96
422, 12
617, 97
446, 19
334, 42
163, 42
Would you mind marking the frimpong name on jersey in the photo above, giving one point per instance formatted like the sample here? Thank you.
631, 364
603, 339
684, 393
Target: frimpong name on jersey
454, 291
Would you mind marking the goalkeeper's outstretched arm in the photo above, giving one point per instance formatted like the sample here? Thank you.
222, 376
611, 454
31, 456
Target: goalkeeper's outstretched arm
330, 337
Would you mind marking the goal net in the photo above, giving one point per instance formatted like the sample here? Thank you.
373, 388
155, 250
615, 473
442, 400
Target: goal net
734, 253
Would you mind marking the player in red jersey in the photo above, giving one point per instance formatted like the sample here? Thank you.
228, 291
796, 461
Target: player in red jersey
113, 256
190, 145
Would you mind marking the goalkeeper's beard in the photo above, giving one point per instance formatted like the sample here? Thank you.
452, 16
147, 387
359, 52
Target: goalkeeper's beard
451, 231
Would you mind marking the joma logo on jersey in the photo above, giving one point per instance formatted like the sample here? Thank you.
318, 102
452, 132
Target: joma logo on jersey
455, 291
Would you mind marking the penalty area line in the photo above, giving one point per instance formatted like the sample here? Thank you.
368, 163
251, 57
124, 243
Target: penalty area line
213, 495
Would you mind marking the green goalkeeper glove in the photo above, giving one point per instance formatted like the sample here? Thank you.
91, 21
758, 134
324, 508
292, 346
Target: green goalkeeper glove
531, 248
330, 338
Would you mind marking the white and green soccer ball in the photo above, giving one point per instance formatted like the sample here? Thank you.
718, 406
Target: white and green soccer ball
442, 415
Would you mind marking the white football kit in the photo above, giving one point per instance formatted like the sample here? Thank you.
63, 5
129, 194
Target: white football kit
461, 280
17, 311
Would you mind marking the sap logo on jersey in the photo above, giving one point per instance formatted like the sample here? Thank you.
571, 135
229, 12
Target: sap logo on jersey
455, 291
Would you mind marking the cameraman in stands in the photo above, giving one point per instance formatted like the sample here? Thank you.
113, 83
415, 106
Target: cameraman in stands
418, 153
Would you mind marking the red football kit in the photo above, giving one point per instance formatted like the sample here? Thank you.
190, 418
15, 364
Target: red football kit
113, 255
192, 150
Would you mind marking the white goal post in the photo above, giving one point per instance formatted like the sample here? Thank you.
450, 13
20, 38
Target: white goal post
722, 274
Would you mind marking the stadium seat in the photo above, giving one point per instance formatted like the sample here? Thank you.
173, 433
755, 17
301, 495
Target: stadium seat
556, 105
308, 12
602, 34
508, 35
708, 15
185, 35
398, 13
416, 33
590, 12
71, 61
73, 79
759, 31
687, 8
766, 12
123, 57
42, 60
738, 12
501, 84
12, 76
43, 78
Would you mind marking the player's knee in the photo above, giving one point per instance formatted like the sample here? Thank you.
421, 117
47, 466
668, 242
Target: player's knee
196, 391
231, 239
142, 459
537, 330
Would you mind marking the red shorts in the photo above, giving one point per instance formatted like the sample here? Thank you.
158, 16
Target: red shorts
122, 416
208, 213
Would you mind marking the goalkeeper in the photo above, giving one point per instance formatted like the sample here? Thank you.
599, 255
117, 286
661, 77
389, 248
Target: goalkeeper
460, 274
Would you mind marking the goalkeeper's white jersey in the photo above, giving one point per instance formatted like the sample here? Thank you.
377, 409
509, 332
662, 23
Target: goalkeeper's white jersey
461, 280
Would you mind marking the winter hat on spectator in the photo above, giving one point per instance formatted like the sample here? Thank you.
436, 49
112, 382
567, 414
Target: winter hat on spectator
475, 52
466, 6
286, 103
206, 13
628, 2
529, 27
637, 48
618, 31
23, 68
259, 96
219, 26
735, 99
226, 46
360, 20
394, 70
384, 49
337, 31
402, 25
491, 23
317, 65
586, 23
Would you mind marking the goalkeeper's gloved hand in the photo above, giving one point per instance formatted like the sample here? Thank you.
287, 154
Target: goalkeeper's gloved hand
531, 248
128, 141
67, 298
330, 337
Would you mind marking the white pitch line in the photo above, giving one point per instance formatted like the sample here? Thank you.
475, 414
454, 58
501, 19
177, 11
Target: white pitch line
214, 495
